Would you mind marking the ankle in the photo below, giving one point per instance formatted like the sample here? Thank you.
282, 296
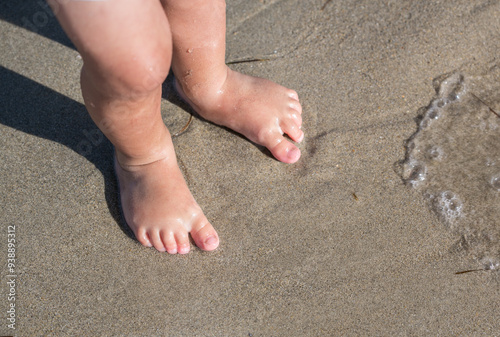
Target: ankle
136, 161
133, 166
206, 91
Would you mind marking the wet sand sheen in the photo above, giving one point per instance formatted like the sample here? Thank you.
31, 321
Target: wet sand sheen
335, 244
454, 160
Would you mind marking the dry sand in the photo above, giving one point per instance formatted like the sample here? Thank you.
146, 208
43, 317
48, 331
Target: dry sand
334, 245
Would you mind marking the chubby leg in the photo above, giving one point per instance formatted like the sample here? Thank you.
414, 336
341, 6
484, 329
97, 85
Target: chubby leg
259, 109
126, 48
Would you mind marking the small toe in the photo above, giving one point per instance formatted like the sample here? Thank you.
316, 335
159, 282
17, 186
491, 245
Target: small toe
293, 131
183, 246
143, 237
295, 105
156, 241
169, 242
286, 152
205, 236
295, 117
293, 94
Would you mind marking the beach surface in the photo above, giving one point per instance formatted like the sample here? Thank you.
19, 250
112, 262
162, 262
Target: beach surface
334, 245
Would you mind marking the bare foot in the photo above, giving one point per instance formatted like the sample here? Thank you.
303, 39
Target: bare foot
160, 209
259, 109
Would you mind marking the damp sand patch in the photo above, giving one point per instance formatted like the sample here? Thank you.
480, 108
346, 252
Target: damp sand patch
453, 159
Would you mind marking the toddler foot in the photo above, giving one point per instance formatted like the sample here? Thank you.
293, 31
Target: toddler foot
261, 110
160, 209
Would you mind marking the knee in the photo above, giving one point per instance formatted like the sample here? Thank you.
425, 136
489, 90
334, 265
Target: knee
144, 73
132, 73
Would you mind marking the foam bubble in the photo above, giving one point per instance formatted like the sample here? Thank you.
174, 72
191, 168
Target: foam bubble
434, 152
415, 172
490, 263
450, 206
452, 86
452, 160
495, 182
425, 123
433, 113
440, 103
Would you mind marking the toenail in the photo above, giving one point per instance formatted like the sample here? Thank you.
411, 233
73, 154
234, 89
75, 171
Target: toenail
293, 153
183, 250
211, 240
301, 138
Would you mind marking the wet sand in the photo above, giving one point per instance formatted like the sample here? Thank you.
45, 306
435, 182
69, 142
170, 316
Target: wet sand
336, 244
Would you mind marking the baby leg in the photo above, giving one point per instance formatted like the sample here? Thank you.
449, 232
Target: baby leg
259, 109
126, 48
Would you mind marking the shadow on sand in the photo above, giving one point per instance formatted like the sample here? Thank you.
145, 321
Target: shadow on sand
32, 108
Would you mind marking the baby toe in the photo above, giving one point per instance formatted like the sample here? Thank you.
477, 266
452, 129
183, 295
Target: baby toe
143, 237
169, 242
204, 235
295, 105
286, 152
156, 241
182, 240
293, 131
296, 117
293, 94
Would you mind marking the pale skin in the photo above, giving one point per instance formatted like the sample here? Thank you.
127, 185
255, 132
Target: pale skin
128, 47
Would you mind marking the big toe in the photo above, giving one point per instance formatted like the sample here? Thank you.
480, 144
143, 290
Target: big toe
286, 152
205, 236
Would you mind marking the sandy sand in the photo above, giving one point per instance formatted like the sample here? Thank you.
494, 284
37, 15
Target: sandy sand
334, 245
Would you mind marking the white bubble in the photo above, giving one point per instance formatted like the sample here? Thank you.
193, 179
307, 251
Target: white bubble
490, 263
415, 172
433, 113
495, 182
425, 123
434, 153
450, 206
440, 103
490, 162
452, 159
452, 87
